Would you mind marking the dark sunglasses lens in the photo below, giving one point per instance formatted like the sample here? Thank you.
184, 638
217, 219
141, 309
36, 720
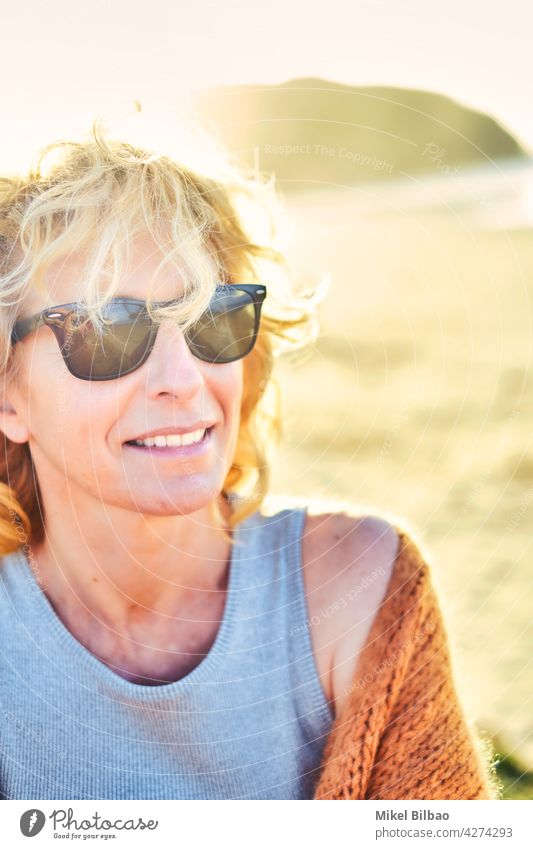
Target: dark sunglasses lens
227, 330
117, 349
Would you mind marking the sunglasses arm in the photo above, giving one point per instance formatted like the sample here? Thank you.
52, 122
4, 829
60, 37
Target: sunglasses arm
25, 326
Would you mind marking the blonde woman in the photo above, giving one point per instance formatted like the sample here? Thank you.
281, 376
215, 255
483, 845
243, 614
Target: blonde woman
161, 631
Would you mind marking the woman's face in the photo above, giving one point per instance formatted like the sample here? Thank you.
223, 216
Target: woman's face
78, 429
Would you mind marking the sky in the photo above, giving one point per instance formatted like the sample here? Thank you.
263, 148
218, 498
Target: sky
65, 62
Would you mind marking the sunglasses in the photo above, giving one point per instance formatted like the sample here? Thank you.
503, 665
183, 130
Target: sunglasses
225, 332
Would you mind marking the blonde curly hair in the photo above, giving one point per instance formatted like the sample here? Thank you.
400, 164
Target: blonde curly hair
93, 197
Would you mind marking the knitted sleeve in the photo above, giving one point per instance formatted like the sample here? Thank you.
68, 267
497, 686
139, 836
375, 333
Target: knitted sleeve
402, 733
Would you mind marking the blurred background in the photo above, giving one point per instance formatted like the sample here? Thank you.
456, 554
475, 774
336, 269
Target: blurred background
400, 137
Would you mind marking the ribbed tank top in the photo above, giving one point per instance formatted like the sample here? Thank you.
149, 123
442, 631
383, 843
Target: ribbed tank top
248, 722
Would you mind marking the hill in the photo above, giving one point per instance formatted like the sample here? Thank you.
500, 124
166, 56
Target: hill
312, 131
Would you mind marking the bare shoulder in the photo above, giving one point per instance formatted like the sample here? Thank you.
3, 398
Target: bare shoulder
347, 562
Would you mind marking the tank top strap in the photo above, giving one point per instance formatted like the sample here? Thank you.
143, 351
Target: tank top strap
262, 541
308, 691
272, 602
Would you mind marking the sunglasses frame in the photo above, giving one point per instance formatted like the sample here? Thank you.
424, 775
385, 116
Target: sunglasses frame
54, 318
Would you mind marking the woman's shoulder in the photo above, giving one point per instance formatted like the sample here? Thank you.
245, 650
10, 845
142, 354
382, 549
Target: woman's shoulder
342, 541
400, 718
349, 557
342, 545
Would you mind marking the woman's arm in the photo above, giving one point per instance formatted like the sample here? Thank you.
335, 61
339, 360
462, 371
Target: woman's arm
402, 733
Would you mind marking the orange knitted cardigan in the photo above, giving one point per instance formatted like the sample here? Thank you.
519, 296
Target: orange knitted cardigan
402, 733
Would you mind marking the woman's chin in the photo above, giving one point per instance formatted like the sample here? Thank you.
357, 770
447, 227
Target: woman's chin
174, 504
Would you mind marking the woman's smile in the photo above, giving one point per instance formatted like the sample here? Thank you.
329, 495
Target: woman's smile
162, 447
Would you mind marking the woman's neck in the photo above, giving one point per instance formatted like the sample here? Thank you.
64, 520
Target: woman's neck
142, 571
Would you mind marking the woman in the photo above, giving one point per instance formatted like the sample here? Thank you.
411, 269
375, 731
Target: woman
162, 632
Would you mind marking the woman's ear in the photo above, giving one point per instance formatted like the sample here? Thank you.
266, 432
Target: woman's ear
11, 422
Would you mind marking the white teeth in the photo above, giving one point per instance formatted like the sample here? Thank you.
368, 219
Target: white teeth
172, 439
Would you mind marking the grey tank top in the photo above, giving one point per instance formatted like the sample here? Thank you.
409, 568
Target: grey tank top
249, 722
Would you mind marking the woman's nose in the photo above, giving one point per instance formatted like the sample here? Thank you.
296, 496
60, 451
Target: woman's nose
171, 367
